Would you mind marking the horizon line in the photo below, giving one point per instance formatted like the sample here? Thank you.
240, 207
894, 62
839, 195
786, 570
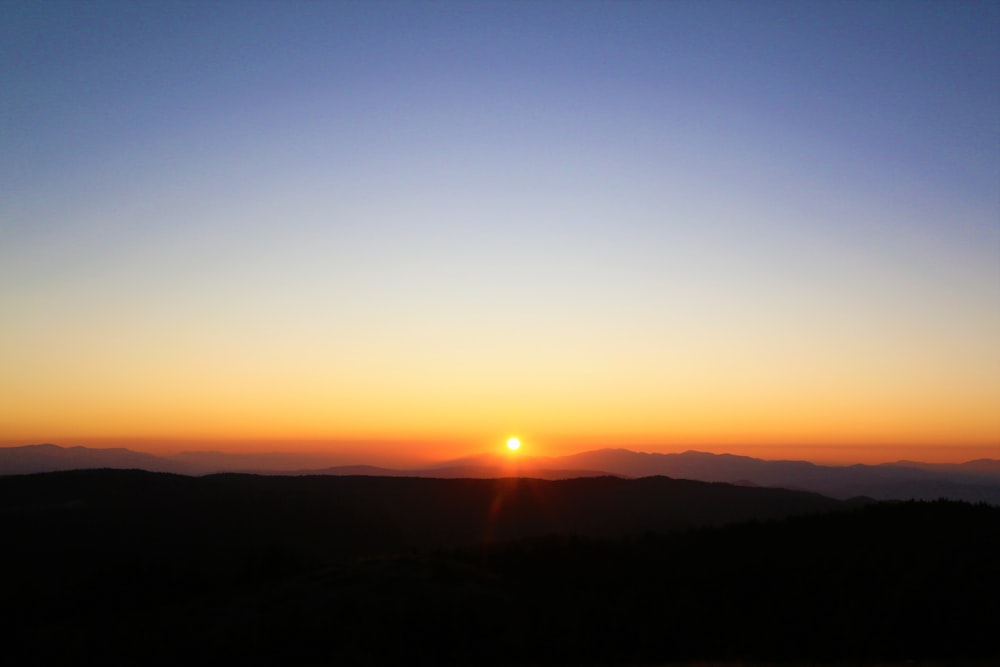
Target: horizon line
825, 454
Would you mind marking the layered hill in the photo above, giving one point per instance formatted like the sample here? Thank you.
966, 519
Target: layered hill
974, 481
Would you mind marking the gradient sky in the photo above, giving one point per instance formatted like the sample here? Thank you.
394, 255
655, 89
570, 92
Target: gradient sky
664, 225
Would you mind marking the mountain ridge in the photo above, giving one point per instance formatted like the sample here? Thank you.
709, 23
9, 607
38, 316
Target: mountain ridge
974, 481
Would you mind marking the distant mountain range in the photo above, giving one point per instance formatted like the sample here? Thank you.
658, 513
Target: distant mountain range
975, 481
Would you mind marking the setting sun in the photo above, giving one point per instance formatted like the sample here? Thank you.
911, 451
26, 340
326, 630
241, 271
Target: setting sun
270, 271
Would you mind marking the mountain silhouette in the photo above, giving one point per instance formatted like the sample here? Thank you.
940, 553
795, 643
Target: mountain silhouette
485, 470
50, 458
973, 481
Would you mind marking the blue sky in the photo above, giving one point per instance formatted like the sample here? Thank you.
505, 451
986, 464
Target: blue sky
568, 219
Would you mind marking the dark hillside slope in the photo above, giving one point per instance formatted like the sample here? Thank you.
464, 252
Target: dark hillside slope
130, 567
913, 583
894, 582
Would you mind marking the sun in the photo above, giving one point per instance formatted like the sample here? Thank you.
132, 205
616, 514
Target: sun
513, 444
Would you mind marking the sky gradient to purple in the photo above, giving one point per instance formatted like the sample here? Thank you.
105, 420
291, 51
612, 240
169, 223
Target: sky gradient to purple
669, 223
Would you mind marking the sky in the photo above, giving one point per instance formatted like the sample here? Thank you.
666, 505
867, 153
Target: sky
413, 229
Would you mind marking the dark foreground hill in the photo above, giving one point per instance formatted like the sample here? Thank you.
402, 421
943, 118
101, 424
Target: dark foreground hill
115, 567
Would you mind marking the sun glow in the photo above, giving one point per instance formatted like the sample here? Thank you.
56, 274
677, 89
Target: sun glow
513, 444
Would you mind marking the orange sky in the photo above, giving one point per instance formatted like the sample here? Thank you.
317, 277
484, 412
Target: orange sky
629, 384
635, 386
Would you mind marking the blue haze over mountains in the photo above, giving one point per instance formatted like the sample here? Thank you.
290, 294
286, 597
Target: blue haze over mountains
974, 481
